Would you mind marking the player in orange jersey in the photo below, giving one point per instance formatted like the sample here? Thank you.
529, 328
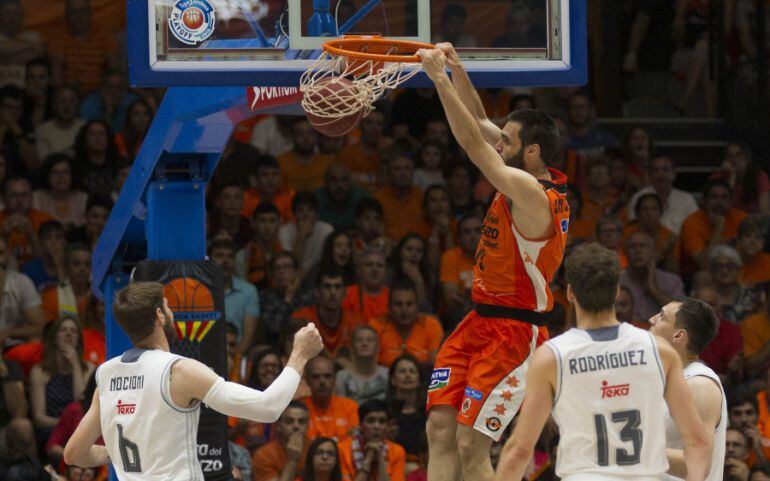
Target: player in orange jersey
478, 381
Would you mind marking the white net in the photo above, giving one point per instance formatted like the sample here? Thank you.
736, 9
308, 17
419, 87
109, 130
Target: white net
336, 86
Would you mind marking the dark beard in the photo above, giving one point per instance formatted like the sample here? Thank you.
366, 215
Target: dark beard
517, 160
169, 329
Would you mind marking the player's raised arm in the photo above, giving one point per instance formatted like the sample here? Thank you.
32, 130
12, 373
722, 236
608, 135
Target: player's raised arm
519, 449
517, 184
695, 436
468, 94
192, 381
80, 449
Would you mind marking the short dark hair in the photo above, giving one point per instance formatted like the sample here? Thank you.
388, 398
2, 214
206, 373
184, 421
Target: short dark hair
265, 208
135, 306
763, 467
297, 404
740, 396
14, 178
699, 320
267, 161
222, 244
39, 62
50, 226
99, 200
593, 272
331, 271
648, 195
75, 247
716, 183
372, 406
305, 198
750, 225
537, 127
368, 204
231, 328
281, 255
401, 284
50, 162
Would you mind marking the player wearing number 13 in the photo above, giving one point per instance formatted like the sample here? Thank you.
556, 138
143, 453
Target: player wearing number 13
147, 401
604, 383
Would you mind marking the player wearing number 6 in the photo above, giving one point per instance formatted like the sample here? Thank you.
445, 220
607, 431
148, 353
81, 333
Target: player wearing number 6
147, 402
604, 381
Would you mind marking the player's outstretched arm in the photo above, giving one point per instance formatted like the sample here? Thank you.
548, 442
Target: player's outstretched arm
192, 381
519, 449
518, 185
80, 449
468, 94
708, 400
695, 436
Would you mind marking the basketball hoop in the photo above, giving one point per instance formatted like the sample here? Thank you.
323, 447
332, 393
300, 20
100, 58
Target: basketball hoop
353, 71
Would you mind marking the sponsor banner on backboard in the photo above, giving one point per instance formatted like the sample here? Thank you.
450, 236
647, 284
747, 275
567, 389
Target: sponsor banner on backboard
263, 97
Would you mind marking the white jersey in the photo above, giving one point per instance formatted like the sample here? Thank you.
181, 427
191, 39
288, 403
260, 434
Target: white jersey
147, 436
674, 438
608, 405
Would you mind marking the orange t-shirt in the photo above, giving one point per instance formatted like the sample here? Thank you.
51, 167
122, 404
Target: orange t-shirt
281, 200
336, 421
664, 239
257, 262
581, 229
269, 460
300, 176
94, 346
756, 270
696, 230
764, 422
396, 460
84, 58
423, 341
373, 306
401, 215
50, 299
365, 168
19, 244
755, 330
591, 210
516, 273
424, 229
457, 267
334, 339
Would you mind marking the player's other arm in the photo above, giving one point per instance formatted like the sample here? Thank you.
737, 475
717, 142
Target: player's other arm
522, 188
469, 95
80, 449
193, 381
708, 401
695, 436
519, 449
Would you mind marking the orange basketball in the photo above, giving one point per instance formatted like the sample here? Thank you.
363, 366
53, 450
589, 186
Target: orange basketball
192, 18
186, 294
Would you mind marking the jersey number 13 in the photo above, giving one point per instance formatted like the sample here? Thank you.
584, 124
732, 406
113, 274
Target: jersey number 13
630, 431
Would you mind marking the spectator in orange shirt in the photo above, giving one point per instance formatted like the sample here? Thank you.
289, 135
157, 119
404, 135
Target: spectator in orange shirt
401, 201
369, 455
370, 227
284, 458
268, 188
714, 224
227, 221
365, 158
648, 209
322, 462
405, 330
756, 264
744, 416
580, 230
20, 222
370, 295
330, 416
69, 299
763, 424
438, 227
335, 323
456, 272
409, 261
251, 262
597, 199
302, 167
609, 233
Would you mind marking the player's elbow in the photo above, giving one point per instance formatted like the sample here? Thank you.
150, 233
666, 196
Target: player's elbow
72, 456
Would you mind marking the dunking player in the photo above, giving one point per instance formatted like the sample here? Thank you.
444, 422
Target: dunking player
689, 325
147, 402
478, 382
605, 382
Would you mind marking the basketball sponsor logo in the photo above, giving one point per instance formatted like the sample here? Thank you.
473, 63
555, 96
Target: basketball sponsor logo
473, 393
192, 21
466, 405
439, 378
125, 408
617, 390
193, 307
494, 424
565, 225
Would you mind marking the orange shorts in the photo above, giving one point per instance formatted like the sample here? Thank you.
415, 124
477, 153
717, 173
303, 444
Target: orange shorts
481, 371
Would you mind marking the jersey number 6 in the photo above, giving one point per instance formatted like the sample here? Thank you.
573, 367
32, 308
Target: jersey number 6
129, 453
629, 432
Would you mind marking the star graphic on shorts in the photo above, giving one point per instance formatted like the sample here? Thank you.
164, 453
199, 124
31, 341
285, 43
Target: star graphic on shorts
512, 381
500, 409
507, 395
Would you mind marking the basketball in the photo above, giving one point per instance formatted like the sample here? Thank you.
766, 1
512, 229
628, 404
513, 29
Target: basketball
332, 95
192, 18
185, 295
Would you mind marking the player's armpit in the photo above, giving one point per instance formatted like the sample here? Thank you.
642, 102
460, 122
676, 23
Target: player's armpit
535, 410
190, 381
80, 449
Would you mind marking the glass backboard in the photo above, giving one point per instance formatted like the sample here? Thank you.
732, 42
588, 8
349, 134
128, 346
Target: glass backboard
271, 42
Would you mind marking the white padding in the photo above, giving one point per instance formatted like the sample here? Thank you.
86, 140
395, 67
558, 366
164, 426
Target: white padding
243, 402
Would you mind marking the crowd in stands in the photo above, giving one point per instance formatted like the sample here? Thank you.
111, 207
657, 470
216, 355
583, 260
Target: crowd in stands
371, 236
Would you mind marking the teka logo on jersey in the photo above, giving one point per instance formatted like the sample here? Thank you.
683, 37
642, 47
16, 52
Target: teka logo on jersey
617, 390
193, 307
125, 408
192, 21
